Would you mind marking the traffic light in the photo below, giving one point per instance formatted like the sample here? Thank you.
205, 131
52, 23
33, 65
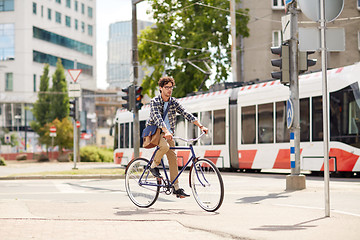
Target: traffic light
72, 108
304, 63
282, 63
129, 96
138, 97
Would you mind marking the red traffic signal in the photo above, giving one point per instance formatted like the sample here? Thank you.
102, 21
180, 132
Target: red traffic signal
138, 97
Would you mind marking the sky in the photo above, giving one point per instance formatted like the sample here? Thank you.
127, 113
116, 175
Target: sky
107, 12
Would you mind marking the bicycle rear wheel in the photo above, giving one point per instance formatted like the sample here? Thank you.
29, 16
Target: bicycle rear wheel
141, 186
207, 185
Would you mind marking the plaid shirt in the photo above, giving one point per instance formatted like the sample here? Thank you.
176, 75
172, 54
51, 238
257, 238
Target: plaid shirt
157, 111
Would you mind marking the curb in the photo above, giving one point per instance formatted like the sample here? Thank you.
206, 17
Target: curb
37, 177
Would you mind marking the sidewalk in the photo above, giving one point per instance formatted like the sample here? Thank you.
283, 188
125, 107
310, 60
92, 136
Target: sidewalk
33, 166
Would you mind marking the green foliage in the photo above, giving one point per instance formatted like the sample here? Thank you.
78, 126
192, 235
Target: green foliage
41, 108
2, 161
202, 34
64, 133
59, 98
95, 154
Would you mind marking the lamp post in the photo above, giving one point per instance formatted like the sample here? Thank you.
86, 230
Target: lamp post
18, 118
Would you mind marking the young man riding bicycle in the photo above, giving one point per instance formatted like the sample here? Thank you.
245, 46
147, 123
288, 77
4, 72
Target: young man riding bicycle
158, 105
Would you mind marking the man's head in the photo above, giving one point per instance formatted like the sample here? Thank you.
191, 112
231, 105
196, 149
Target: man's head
166, 85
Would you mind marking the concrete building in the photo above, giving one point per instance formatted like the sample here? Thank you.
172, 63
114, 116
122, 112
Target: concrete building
265, 32
119, 64
36, 32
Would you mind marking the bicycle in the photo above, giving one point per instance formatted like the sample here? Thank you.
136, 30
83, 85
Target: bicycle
205, 180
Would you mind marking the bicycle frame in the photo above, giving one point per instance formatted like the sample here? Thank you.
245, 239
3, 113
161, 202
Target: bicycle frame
191, 159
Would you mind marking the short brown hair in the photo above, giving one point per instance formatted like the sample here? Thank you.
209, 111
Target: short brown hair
165, 80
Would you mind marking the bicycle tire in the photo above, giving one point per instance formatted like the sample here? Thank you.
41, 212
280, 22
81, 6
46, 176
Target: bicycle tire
145, 194
207, 185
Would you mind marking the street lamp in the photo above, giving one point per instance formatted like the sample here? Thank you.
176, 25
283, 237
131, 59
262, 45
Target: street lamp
18, 119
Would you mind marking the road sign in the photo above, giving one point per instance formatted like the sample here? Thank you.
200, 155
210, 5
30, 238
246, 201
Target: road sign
77, 124
289, 113
7, 138
74, 73
74, 90
311, 9
53, 129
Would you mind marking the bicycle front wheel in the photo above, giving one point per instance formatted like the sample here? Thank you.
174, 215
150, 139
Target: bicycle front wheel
207, 185
141, 186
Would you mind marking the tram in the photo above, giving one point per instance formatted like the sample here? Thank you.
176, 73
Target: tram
248, 129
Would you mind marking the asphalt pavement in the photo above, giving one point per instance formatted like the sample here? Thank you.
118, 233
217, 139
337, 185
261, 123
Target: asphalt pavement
255, 207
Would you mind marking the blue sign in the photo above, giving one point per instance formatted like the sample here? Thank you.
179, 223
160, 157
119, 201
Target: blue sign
289, 113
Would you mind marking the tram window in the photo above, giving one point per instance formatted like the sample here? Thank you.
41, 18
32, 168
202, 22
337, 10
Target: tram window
116, 136
282, 132
142, 127
219, 127
192, 130
317, 123
248, 125
180, 129
266, 123
126, 136
121, 132
345, 115
304, 120
206, 120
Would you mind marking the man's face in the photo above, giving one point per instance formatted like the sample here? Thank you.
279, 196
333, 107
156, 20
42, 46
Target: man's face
166, 90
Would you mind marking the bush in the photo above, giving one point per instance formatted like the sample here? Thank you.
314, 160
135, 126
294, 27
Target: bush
2, 161
43, 158
64, 158
95, 154
21, 157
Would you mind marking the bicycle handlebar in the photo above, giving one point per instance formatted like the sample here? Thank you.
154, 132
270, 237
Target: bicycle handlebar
190, 140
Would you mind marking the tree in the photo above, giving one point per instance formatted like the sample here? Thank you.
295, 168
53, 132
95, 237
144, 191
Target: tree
59, 97
188, 31
41, 109
64, 133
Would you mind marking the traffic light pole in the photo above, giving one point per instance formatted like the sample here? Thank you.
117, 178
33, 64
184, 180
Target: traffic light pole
295, 181
136, 135
75, 135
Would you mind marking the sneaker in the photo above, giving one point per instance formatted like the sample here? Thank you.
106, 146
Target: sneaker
155, 172
180, 193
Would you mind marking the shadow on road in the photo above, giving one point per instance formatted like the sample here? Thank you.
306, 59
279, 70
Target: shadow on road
254, 199
299, 226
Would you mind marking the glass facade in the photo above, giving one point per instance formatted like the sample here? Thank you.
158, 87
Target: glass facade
7, 42
6, 5
68, 64
8, 81
62, 41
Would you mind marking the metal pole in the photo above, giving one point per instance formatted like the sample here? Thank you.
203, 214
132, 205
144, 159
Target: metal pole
325, 106
136, 135
75, 132
233, 40
294, 85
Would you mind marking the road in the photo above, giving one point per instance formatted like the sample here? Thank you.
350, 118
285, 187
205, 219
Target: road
256, 206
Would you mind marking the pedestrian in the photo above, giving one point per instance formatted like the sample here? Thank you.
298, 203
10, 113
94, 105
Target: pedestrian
158, 106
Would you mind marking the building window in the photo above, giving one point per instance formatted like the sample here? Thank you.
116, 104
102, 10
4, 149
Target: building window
68, 3
62, 41
34, 81
58, 17
6, 5
83, 8
40, 57
76, 24
90, 12
90, 30
76, 5
82, 27
7, 42
58, 1
49, 13
358, 4
8, 81
34, 8
42, 11
277, 4
276, 38
68, 21
359, 39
